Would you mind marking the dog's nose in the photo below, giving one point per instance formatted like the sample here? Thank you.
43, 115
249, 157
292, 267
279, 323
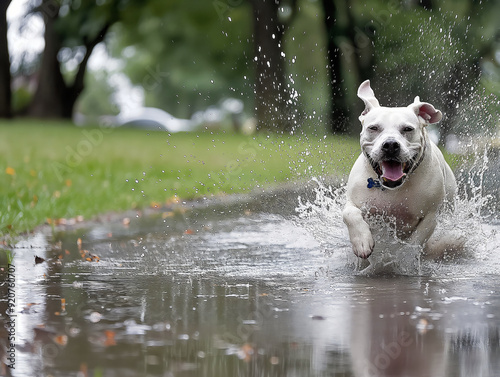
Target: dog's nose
391, 148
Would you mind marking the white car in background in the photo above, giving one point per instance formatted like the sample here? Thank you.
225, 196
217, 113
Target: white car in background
151, 118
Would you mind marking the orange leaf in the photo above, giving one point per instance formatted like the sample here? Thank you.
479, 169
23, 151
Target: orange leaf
10, 171
110, 338
62, 340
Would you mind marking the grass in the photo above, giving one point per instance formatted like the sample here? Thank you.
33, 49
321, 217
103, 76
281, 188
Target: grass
54, 170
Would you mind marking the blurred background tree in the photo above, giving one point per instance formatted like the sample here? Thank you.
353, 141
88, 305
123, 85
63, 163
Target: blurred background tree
295, 64
5, 78
72, 30
186, 55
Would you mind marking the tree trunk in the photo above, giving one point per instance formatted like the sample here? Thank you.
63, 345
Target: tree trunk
5, 78
271, 95
51, 98
339, 111
54, 98
79, 81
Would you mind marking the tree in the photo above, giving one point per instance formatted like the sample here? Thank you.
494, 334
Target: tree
350, 58
5, 77
83, 26
188, 56
271, 95
207, 52
339, 109
437, 58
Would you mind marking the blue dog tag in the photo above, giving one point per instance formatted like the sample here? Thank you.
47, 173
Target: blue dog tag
373, 183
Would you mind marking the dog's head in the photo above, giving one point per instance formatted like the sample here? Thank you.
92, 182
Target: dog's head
394, 138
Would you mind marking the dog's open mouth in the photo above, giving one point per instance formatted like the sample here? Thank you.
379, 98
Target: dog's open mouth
392, 173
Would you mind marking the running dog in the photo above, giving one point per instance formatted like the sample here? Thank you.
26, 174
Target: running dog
400, 175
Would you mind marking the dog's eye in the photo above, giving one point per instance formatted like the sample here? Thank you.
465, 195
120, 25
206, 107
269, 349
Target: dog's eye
408, 129
373, 128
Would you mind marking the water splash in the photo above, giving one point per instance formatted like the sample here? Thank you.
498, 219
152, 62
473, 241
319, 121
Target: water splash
469, 220
322, 217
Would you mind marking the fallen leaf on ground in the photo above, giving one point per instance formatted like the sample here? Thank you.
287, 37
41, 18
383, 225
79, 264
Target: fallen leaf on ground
155, 205
88, 256
62, 340
110, 338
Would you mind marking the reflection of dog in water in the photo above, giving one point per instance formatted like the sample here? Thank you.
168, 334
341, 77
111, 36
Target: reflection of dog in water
400, 176
391, 335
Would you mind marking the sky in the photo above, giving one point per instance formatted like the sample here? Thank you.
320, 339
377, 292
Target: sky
25, 36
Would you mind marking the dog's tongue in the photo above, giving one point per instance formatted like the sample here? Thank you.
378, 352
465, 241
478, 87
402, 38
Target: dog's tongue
392, 170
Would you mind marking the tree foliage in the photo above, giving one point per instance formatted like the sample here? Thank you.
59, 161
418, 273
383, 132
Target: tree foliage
433, 54
72, 30
292, 62
187, 55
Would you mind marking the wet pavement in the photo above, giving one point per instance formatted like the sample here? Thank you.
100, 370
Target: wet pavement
243, 287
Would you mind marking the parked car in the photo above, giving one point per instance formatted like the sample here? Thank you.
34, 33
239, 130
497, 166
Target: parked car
150, 118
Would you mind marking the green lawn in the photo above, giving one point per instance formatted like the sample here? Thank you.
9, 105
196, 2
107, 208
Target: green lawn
53, 170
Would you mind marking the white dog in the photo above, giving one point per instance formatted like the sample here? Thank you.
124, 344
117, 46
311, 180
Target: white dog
401, 174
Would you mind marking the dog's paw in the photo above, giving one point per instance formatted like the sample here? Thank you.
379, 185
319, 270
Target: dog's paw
363, 245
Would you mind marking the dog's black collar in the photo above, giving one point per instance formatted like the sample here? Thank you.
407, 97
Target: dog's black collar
416, 165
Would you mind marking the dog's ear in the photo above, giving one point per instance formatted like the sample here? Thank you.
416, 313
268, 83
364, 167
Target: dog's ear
426, 111
365, 92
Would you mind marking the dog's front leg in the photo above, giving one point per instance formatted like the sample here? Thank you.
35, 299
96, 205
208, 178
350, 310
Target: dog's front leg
359, 231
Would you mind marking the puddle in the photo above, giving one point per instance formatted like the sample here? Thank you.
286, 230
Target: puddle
244, 288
